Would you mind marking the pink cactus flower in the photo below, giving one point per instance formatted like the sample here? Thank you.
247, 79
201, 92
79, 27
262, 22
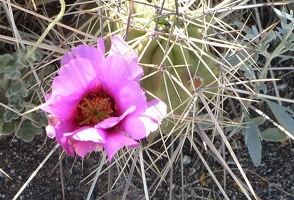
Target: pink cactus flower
97, 103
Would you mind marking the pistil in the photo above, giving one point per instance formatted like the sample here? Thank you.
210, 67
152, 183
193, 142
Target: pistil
94, 108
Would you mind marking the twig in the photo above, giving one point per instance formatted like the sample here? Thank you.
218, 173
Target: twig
51, 25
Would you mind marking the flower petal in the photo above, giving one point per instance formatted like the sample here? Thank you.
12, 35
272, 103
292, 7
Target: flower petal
114, 72
117, 68
50, 129
76, 77
116, 140
95, 55
61, 128
120, 47
139, 125
113, 121
156, 111
136, 71
130, 95
100, 47
87, 133
85, 70
84, 147
133, 126
66, 58
63, 108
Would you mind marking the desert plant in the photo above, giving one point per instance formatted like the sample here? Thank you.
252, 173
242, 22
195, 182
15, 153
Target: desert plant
196, 59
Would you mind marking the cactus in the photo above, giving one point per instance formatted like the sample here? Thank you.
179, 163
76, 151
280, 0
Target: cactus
162, 48
170, 49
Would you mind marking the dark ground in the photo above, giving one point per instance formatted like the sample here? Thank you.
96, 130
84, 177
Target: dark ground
273, 179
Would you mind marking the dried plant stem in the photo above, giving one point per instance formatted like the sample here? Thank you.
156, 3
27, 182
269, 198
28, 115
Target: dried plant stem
128, 182
98, 172
143, 174
201, 96
51, 25
8, 10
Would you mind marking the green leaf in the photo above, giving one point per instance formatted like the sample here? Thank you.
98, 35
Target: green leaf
260, 88
273, 135
12, 72
5, 60
3, 98
253, 143
250, 34
18, 107
8, 128
284, 119
27, 131
41, 118
283, 14
284, 18
16, 101
37, 56
258, 120
17, 87
9, 115
2, 111
20, 58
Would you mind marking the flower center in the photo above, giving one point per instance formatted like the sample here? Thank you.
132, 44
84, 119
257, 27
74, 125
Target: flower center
94, 108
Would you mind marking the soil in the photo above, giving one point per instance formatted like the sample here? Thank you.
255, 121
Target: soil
273, 179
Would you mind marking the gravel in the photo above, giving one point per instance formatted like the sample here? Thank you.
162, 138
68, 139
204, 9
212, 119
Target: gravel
273, 179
